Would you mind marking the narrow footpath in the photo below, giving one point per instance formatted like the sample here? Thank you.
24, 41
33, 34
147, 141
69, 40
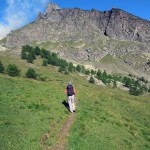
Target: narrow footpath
62, 137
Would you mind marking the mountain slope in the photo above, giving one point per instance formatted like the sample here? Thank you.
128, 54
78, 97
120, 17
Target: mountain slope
105, 117
72, 24
88, 36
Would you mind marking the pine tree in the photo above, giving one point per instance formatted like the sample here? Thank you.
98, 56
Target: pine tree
45, 62
31, 73
136, 90
24, 55
30, 58
114, 83
12, 70
70, 67
61, 69
78, 68
91, 80
87, 72
37, 50
1, 67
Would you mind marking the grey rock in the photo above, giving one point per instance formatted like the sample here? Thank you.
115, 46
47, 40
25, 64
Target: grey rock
71, 24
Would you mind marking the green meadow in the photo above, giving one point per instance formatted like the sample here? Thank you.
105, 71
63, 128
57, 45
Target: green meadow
106, 118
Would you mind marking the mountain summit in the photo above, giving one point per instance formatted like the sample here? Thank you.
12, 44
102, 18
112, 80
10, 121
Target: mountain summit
63, 24
51, 7
89, 35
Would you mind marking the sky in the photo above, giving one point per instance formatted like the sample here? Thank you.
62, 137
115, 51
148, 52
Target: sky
17, 13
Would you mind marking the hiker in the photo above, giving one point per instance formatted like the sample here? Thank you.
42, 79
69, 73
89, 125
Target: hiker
71, 92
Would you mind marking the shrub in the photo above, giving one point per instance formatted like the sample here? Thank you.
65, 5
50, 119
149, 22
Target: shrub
45, 62
31, 73
1, 67
61, 69
37, 50
92, 80
66, 73
114, 84
78, 68
41, 78
87, 72
24, 55
134, 90
93, 72
70, 67
12, 70
30, 58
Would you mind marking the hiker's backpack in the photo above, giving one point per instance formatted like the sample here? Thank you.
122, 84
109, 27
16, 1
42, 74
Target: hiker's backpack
70, 90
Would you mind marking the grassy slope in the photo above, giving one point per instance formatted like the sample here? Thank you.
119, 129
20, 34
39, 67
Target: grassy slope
110, 119
105, 118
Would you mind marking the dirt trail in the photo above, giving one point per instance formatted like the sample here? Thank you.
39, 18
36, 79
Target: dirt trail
62, 137
62, 141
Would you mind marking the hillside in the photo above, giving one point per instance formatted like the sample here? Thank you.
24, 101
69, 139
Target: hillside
89, 37
32, 114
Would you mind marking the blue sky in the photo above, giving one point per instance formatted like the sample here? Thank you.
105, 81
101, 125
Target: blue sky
17, 13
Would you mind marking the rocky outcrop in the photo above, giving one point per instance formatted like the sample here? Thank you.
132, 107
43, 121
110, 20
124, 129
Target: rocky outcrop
71, 24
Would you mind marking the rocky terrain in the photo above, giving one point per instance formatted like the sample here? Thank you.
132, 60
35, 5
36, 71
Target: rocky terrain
113, 40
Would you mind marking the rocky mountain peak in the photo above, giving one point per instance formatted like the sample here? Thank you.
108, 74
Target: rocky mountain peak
51, 7
58, 24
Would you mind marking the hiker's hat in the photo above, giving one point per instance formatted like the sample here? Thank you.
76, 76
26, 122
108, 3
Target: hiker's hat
69, 83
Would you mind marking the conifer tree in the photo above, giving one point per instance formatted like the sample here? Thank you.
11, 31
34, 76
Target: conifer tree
31, 73
30, 58
37, 50
24, 55
70, 67
91, 80
45, 62
12, 70
78, 68
1, 67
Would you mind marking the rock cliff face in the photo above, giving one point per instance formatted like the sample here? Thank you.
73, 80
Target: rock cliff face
90, 36
70, 24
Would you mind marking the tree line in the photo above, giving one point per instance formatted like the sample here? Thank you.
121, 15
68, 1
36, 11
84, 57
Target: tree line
12, 70
136, 86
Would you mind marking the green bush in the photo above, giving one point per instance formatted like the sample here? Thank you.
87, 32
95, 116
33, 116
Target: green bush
24, 54
45, 62
92, 80
12, 70
87, 71
70, 67
30, 58
134, 90
37, 50
31, 73
41, 78
66, 73
61, 69
93, 72
78, 68
1, 67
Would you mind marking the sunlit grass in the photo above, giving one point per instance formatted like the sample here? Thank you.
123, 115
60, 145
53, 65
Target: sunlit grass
106, 118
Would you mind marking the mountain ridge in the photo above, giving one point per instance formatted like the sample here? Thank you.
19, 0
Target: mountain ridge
89, 36
101, 22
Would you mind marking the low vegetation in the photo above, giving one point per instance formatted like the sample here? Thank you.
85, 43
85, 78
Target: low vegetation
32, 114
1, 67
30, 53
12, 70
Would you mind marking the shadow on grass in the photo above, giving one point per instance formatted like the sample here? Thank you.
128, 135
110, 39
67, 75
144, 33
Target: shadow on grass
66, 104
